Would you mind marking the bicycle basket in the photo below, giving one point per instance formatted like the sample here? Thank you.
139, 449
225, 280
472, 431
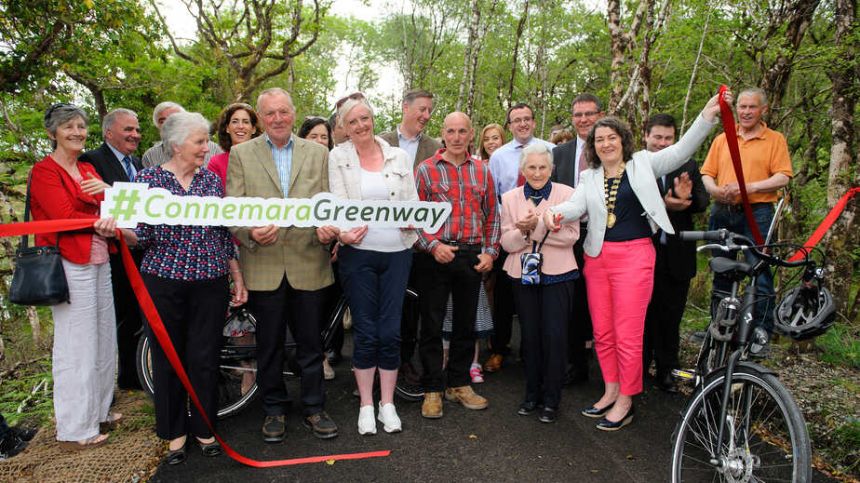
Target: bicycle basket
805, 312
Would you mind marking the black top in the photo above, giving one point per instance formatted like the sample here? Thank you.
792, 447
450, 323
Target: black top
631, 222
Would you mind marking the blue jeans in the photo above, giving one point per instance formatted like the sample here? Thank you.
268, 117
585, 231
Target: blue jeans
374, 284
735, 221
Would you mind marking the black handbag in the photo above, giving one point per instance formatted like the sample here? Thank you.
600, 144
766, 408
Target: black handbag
39, 278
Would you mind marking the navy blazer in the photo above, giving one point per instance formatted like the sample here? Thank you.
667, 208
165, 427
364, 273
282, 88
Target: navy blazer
107, 166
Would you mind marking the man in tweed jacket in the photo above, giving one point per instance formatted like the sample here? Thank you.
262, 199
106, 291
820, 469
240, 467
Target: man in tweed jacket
285, 269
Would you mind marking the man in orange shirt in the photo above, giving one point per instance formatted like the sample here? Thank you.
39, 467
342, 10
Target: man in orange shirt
766, 168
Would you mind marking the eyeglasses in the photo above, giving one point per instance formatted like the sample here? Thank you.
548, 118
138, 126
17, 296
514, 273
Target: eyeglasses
313, 118
355, 96
56, 107
580, 115
521, 120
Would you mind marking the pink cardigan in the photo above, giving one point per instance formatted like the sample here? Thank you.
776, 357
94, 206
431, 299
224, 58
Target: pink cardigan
557, 249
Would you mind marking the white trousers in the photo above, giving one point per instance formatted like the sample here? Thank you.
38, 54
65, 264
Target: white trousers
84, 352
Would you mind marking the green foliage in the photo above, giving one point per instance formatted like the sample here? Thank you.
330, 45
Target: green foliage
36, 407
840, 345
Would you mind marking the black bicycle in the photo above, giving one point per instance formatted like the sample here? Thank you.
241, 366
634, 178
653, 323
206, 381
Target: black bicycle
237, 379
741, 423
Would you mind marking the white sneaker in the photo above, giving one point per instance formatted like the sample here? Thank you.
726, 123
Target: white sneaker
366, 423
389, 418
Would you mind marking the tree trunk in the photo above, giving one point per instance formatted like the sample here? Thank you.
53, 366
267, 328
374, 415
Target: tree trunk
843, 75
471, 47
520, 28
776, 76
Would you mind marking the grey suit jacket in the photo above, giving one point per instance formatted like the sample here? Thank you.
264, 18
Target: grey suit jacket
642, 171
297, 254
427, 146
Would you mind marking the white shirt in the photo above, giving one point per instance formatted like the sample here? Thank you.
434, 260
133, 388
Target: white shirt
373, 187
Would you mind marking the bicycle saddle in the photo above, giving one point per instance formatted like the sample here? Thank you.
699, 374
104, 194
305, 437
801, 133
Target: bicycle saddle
725, 265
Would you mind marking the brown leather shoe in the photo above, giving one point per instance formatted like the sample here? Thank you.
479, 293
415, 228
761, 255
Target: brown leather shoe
494, 363
466, 396
432, 406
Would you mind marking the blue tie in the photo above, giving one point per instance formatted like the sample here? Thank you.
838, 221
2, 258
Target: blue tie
129, 170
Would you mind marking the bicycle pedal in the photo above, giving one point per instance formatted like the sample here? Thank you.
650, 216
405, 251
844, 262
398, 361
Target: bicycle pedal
684, 375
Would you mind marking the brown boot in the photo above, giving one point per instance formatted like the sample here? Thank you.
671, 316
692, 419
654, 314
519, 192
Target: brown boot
466, 396
432, 406
494, 363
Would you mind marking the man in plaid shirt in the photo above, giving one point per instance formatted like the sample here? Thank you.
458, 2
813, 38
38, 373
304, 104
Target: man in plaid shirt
456, 255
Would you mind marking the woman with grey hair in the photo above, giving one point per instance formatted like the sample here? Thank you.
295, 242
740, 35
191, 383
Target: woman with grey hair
543, 267
84, 350
373, 262
187, 270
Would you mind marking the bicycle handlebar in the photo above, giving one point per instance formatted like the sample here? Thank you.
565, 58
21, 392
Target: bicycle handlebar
734, 241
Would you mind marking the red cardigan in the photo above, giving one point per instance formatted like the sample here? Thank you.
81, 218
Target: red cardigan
54, 195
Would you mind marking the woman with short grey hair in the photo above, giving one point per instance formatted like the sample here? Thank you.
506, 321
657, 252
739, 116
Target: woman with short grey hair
187, 270
62, 187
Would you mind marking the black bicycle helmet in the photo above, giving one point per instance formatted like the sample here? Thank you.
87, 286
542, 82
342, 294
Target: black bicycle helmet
805, 312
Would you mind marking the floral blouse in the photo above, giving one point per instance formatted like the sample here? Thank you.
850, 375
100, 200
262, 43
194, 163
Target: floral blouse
183, 252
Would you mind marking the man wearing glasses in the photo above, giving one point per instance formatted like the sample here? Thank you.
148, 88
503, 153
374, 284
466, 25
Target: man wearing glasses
569, 163
505, 168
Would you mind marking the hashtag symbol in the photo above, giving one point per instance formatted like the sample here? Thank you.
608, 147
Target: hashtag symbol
125, 205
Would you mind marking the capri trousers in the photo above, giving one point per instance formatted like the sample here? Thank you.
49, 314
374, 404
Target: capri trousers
374, 284
619, 282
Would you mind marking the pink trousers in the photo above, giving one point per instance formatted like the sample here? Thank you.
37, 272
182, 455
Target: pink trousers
619, 283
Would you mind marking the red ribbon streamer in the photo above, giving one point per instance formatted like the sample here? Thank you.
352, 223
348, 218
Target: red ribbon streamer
825, 225
157, 326
732, 139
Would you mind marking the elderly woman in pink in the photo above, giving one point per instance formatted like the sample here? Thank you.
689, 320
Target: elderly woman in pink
542, 265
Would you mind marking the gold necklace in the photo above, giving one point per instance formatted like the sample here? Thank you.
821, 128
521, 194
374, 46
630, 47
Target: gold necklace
611, 194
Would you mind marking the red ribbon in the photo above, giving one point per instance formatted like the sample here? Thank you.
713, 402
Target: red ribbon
825, 225
157, 326
732, 139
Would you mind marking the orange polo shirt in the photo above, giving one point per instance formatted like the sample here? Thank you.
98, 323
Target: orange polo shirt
761, 157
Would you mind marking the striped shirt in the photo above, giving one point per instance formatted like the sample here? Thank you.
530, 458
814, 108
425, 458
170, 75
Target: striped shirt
470, 189
283, 158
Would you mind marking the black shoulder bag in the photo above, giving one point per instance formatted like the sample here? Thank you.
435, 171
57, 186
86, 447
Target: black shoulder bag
39, 278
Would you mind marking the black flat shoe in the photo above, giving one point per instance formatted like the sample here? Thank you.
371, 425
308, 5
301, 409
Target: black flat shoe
548, 415
210, 450
593, 412
666, 383
607, 425
176, 456
528, 407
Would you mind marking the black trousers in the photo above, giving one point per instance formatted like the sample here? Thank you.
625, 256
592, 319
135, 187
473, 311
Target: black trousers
503, 308
128, 322
580, 330
543, 311
193, 313
437, 282
411, 315
302, 311
663, 320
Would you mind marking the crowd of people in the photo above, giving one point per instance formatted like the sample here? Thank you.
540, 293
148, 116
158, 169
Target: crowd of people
579, 240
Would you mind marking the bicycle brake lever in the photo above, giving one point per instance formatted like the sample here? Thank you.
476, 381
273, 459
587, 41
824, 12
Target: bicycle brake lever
712, 246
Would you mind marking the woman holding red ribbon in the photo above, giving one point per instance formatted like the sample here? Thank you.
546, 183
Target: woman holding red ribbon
187, 271
619, 193
84, 350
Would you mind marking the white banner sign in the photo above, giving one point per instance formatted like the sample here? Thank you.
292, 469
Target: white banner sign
133, 203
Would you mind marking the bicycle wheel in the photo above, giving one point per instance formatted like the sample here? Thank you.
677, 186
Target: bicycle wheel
402, 389
764, 439
236, 376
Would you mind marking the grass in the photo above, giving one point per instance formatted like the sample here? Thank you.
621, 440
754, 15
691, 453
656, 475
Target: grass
840, 346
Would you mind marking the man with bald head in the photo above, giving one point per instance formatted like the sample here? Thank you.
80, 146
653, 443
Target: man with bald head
455, 256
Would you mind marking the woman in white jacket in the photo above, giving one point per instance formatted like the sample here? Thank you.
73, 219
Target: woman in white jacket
374, 262
619, 193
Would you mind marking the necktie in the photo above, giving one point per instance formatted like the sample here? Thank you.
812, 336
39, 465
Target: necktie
129, 169
521, 180
582, 165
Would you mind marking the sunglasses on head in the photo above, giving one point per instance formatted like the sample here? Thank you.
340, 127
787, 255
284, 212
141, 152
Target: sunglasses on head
356, 96
56, 107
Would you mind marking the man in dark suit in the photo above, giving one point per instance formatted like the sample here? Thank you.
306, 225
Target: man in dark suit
417, 108
569, 162
684, 194
114, 161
